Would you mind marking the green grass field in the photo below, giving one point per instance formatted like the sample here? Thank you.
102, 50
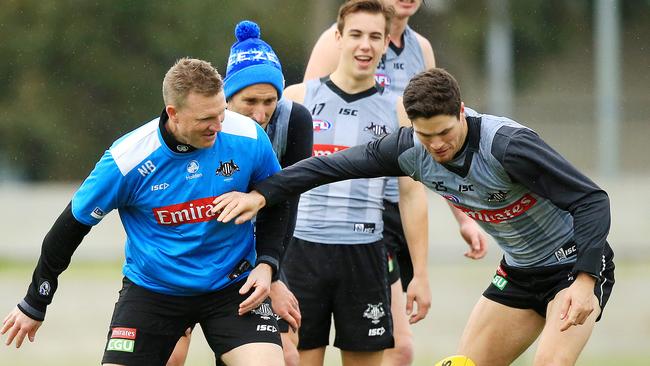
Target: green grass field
76, 325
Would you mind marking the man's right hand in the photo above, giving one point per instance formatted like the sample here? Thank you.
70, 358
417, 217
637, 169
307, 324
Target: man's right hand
18, 325
237, 205
285, 304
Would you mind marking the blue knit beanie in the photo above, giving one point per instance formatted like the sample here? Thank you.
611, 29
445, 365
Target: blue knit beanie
252, 61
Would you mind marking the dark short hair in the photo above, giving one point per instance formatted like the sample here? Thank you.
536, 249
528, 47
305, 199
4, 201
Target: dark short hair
365, 6
432, 93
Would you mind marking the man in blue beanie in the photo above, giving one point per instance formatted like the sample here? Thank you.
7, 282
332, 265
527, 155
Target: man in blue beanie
253, 87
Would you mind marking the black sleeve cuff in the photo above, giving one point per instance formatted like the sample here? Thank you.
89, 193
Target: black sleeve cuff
590, 262
271, 262
31, 311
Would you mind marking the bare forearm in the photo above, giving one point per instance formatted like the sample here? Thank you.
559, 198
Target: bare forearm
414, 214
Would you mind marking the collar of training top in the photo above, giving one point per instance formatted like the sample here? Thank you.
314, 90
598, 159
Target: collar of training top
349, 98
171, 142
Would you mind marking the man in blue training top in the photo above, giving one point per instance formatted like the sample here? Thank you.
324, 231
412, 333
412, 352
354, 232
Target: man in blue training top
182, 267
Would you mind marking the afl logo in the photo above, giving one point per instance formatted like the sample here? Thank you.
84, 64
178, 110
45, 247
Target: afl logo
321, 125
452, 198
382, 79
193, 167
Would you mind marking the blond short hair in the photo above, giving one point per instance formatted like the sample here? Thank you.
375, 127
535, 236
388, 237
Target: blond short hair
190, 75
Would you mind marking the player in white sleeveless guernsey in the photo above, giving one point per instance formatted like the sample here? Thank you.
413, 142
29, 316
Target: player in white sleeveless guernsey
550, 220
253, 87
182, 267
408, 53
338, 232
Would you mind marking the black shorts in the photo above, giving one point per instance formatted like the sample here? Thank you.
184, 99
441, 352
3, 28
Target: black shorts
533, 288
396, 245
146, 325
347, 281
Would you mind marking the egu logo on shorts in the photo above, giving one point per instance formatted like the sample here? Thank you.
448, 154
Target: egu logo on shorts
122, 340
499, 282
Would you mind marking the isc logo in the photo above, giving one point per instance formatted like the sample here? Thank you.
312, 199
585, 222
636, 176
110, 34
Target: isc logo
348, 111
375, 332
266, 328
159, 187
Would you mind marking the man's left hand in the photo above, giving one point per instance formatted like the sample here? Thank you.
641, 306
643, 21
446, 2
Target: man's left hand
578, 302
260, 280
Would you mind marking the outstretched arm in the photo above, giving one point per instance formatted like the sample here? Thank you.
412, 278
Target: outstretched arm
376, 159
58, 246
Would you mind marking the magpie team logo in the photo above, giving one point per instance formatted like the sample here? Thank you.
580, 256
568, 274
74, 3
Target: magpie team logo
374, 313
44, 288
227, 169
499, 196
376, 129
264, 311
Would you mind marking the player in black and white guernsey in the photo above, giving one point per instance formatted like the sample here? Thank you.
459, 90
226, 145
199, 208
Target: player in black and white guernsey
253, 87
408, 53
336, 263
550, 220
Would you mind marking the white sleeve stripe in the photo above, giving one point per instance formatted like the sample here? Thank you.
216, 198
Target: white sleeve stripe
133, 149
236, 124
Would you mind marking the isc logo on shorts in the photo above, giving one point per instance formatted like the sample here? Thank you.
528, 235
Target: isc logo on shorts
376, 332
266, 328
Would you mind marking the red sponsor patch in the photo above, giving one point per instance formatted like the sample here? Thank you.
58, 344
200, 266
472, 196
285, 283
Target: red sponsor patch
501, 272
185, 213
322, 149
503, 214
124, 333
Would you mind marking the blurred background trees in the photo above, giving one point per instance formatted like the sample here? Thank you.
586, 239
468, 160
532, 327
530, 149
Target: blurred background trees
76, 74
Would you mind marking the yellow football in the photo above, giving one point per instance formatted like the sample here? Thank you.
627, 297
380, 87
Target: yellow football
455, 361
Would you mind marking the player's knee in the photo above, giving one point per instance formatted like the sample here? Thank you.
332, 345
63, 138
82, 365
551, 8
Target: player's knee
401, 354
404, 353
553, 359
291, 356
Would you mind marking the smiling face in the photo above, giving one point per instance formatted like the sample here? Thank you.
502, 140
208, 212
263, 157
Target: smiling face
257, 101
362, 41
199, 120
442, 135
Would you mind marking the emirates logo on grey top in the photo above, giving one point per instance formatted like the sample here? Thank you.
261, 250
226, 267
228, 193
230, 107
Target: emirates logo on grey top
264, 311
376, 129
227, 169
374, 313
